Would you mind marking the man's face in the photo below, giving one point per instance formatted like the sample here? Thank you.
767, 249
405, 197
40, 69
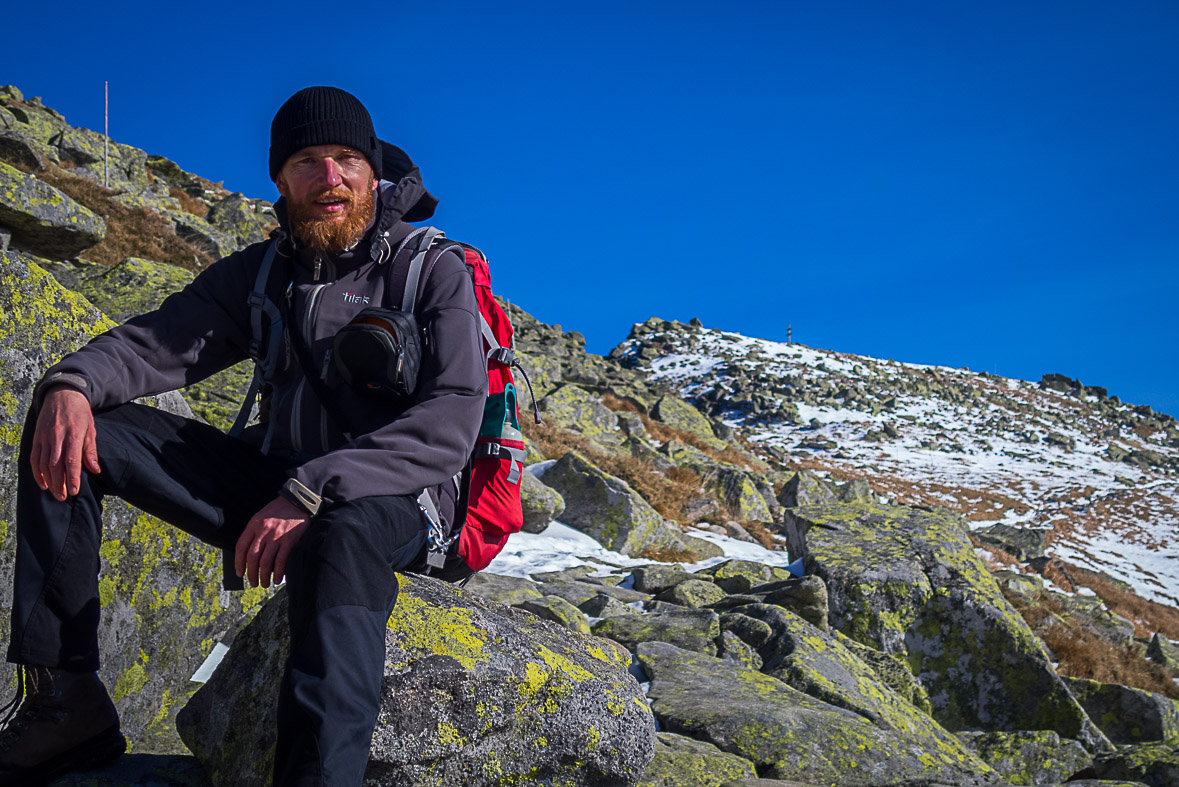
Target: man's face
329, 192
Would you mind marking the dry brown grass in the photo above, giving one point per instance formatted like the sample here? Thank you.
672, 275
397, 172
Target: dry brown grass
665, 491
669, 555
999, 558
763, 536
1147, 616
130, 232
188, 202
1082, 654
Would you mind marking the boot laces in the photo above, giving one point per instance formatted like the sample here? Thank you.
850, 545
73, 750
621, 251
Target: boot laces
33, 687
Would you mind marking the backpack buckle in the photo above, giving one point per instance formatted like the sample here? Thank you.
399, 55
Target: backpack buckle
504, 355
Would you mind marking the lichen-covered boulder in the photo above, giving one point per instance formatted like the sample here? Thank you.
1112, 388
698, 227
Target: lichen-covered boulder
692, 593
202, 235
723, 480
1127, 715
474, 694
784, 732
540, 502
508, 591
908, 581
675, 412
577, 593
683, 762
691, 629
607, 509
738, 576
1022, 543
1152, 764
818, 664
235, 216
1029, 757
1163, 651
42, 219
576, 409
806, 488
163, 609
558, 610
132, 287
656, 578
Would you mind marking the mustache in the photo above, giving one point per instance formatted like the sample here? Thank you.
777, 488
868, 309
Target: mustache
337, 194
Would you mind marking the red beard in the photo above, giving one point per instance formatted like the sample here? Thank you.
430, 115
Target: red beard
334, 233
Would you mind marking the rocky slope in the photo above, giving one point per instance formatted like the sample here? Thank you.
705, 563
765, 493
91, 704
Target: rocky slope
987, 593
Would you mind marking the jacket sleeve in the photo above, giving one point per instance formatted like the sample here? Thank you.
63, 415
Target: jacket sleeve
432, 439
194, 333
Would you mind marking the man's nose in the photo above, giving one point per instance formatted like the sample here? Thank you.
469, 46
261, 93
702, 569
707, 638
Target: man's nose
331, 173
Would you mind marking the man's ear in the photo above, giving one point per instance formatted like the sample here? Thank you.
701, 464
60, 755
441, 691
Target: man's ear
281, 184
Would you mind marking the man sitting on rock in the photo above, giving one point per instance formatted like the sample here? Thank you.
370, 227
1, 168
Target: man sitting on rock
329, 506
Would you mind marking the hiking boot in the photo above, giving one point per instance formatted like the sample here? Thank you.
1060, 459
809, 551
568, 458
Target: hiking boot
65, 723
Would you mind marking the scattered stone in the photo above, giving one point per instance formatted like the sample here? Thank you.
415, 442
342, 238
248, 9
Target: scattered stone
702, 548
753, 632
908, 581
44, 221
604, 606
577, 593
738, 576
683, 762
558, 610
607, 509
655, 579
693, 593
690, 629
576, 409
541, 503
508, 591
677, 413
1022, 543
1152, 764
1127, 715
700, 509
1163, 651
1028, 758
785, 733
733, 648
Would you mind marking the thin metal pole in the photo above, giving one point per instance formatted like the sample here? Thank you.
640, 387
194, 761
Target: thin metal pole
106, 133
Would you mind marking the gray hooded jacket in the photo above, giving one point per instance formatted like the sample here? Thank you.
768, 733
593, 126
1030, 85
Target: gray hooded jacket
205, 328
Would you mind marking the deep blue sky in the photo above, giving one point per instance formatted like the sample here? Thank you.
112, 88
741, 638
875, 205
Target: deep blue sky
991, 185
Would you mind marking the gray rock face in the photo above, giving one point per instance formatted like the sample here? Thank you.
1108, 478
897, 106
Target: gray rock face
1022, 543
162, 606
785, 733
607, 509
691, 629
470, 689
1029, 757
908, 582
1127, 715
542, 504
44, 221
1162, 651
683, 762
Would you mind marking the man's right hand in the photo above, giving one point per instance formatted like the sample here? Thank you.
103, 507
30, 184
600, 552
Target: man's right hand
63, 441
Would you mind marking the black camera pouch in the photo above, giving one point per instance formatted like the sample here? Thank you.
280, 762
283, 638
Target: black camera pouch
379, 353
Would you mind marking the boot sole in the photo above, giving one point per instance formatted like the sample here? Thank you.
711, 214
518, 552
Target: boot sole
103, 748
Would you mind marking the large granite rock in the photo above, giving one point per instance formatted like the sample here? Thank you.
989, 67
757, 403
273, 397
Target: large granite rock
683, 762
132, 287
787, 734
163, 609
1027, 758
235, 216
607, 509
1152, 764
577, 410
1127, 715
541, 503
908, 581
675, 412
474, 694
44, 221
1163, 651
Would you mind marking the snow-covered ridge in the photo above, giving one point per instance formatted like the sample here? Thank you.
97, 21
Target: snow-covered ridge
1101, 475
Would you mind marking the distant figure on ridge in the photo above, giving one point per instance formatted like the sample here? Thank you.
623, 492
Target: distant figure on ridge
325, 491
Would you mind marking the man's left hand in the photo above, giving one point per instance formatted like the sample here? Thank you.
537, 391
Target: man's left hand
266, 543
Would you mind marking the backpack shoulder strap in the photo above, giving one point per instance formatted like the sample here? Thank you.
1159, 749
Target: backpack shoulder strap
264, 352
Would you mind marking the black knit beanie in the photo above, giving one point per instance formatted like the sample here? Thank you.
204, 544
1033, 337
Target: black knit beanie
322, 116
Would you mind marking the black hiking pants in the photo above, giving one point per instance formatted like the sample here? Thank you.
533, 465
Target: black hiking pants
340, 576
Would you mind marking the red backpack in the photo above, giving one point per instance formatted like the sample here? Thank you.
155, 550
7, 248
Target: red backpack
488, 509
